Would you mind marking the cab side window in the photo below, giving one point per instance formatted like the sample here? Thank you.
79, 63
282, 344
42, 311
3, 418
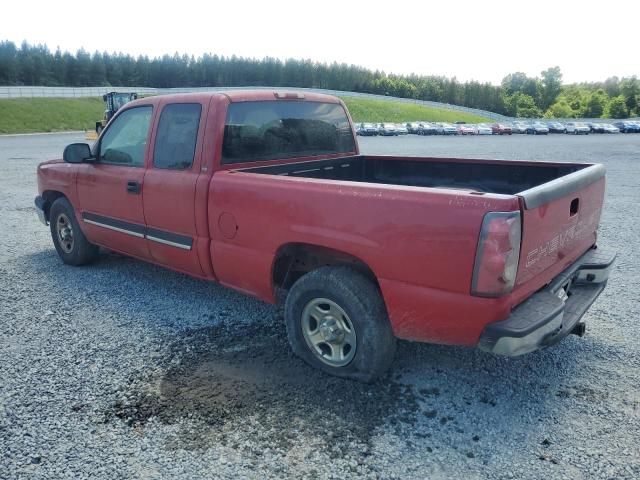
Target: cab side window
125, 140
177, 134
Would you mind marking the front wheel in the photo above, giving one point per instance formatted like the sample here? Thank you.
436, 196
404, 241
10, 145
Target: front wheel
337, 322
70, 243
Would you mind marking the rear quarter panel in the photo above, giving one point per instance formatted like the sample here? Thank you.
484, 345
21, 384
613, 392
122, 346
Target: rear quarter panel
420, 243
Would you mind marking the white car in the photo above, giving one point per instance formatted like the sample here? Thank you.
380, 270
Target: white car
484, 129
401, 129
519, 127
446, 129
387, 129
608, 128
577, 128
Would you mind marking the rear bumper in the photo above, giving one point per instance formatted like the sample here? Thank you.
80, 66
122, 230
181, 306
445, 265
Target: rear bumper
545, 318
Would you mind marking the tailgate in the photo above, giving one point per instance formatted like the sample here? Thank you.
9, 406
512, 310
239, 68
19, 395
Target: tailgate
559, 223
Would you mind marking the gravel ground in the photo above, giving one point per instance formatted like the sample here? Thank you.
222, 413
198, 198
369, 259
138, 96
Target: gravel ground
126, 370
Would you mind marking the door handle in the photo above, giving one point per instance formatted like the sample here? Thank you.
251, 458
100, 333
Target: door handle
133, 187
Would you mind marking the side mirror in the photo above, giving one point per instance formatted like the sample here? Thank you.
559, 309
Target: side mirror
76, 153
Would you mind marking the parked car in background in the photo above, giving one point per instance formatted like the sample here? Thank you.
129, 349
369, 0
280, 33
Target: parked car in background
627, 127
484, 129
537, 128
596, 127
578, 128
413, 127
387, 129
368, 130
427, 128
519, 127
501, 129
608, 128
401, 129
466, 129
446, 129
556, 127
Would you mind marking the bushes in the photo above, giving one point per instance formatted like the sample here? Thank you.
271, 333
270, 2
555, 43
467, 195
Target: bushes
617, 108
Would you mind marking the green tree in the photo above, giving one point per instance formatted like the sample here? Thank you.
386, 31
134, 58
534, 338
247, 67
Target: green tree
630, 90
617, 108
551, 86
8, 63
519, 83
522, 105
595, 104
560, 109
612, 86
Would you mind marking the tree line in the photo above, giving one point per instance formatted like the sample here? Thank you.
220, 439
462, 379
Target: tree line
518, 94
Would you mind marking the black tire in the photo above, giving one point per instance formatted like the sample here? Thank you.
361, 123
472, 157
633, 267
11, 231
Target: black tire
77, 252
362, 302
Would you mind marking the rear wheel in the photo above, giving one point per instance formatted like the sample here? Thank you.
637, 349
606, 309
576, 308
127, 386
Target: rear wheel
70, 243
337, 322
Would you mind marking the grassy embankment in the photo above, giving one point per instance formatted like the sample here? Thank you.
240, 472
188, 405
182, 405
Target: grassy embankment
367, 110
28, 115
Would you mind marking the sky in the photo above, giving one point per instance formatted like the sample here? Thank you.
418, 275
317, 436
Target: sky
469, 40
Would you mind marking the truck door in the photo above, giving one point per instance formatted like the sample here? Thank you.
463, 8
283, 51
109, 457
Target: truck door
170, 187
110, 189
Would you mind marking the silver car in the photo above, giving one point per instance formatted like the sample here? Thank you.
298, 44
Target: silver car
577, 128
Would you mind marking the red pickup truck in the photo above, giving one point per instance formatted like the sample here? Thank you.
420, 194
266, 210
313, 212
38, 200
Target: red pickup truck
266, 192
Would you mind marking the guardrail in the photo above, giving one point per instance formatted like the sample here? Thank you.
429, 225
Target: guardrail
75, 92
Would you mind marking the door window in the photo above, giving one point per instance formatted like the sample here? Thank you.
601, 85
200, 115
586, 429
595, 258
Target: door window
177, 135
125, 140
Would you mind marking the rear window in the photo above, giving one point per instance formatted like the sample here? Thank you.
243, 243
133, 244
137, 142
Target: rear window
269, 130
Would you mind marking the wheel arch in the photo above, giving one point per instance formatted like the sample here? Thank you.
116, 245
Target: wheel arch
50, 196
293, 260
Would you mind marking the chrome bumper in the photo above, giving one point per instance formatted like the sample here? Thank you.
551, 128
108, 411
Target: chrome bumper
551, 314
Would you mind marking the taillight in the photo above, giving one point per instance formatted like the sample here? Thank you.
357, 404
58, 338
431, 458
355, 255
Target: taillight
494, 272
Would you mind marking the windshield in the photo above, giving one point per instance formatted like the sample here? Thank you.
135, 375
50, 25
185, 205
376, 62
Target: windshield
268, 130
119, 101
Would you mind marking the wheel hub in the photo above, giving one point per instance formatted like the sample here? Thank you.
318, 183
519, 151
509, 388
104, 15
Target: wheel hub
65, 233
331, 331
328, 332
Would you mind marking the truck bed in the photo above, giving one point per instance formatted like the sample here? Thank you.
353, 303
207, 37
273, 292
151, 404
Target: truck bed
500, 177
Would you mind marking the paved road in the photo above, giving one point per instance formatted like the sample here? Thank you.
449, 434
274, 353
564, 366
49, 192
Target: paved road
126, 370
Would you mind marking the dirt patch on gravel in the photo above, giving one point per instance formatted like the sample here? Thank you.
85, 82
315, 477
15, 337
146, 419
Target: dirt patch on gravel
244, 379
